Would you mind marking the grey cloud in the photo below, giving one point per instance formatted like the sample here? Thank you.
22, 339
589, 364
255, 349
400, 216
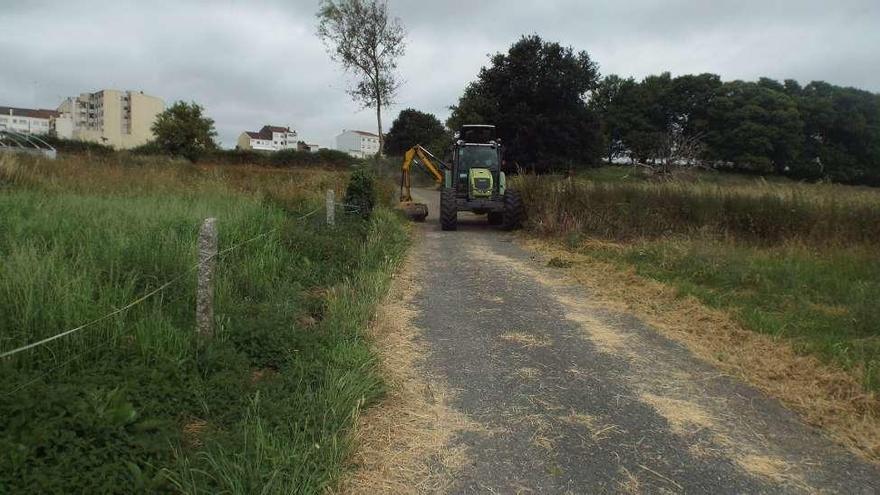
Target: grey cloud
252, 63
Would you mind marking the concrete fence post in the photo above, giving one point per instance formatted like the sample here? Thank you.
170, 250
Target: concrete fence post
331, 207
205, 290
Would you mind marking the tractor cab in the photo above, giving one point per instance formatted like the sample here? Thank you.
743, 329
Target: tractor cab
476, 162
474, 181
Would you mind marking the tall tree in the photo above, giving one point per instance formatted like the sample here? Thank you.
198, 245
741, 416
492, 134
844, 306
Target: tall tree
615, 102
360, 35
755, 127
184, 130
536, 96
412, 127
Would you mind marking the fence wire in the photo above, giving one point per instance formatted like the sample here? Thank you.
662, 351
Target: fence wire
148, 294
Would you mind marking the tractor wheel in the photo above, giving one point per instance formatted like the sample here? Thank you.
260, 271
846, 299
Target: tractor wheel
496, 217
448, 209
513, 210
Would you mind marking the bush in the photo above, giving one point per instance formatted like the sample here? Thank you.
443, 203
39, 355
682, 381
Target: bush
283, 158
77, 147
360, 195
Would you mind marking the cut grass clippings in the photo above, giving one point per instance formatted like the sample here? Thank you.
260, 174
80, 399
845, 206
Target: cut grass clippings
403, 442
823, 393
773, 280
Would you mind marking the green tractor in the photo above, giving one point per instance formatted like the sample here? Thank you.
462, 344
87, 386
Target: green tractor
474, 181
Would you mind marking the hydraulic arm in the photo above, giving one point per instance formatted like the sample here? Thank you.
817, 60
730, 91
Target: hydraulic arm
418, 155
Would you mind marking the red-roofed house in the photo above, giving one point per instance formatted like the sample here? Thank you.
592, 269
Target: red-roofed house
360, 144
269, 138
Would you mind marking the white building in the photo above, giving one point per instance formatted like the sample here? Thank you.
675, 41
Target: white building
26, 120
359, 144
269, 138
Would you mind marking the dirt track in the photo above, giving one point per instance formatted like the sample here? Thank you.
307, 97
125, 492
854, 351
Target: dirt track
571, 397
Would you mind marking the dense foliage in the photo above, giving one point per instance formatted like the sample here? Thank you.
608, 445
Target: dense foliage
536, 95
360, 194
816, 131
553, 111
183, 130
75, 146
283, 158
412, 127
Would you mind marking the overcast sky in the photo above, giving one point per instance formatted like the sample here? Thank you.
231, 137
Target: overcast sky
254, 63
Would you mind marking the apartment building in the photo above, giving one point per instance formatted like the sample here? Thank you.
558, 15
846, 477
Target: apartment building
27, 120
121, 119
359, 144
269, 138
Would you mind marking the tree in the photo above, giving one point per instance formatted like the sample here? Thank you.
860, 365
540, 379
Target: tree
412, 127
841, 133
536, 96
360, 35
755, 126
183, 130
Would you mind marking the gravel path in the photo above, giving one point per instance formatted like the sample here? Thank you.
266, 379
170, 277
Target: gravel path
576, 398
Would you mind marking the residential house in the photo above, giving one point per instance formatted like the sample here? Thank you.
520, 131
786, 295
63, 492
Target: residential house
269, 138
304, 146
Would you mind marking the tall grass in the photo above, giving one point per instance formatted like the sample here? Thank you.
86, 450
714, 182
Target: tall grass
137, 402
762, 213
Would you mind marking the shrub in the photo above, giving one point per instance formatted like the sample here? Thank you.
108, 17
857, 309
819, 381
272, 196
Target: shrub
360, 195
77, 147
283, 158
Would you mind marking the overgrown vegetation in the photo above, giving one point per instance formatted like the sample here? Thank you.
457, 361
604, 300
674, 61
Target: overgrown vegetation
137, 400
284, 158
361, 195
797, 261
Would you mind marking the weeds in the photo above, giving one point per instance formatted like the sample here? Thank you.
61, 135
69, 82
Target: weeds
762, 213
136, 401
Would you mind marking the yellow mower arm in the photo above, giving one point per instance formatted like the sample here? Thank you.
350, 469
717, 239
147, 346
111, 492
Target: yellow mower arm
418, 154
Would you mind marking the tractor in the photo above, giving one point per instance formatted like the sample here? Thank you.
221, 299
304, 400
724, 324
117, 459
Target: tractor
473, 181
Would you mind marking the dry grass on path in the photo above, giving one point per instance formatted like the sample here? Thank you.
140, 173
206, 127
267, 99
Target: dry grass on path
403, 443
823, 395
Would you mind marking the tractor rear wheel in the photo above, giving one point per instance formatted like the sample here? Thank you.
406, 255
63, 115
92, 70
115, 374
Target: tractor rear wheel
448, 209
496, 217
513, 210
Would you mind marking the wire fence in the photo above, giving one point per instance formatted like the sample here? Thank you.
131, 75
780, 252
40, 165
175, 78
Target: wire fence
151, 293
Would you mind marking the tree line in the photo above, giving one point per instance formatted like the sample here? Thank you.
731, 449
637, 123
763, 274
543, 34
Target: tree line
554, 110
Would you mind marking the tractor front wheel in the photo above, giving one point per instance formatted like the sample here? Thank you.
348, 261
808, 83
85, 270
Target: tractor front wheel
448, 209
514, 212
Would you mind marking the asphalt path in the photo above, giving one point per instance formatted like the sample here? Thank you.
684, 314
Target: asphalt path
573, 397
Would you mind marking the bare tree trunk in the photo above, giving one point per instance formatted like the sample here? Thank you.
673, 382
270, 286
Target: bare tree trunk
379, 122
379, 116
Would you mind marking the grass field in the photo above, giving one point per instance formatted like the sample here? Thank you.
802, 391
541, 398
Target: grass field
137, 400
796, 261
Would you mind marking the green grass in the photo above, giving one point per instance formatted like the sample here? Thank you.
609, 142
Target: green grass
823, 302
137, 402
797, 261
